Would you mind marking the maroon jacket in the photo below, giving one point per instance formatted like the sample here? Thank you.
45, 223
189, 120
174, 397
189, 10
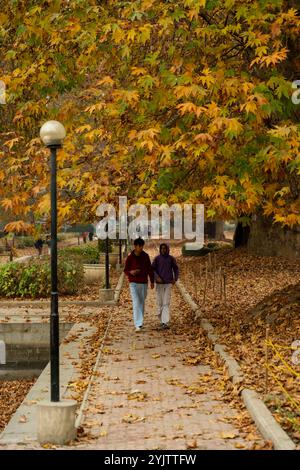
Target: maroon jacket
142, 263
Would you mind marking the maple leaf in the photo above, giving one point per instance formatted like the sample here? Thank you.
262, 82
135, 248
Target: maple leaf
190, 107
107, 80
18, 226
139, 67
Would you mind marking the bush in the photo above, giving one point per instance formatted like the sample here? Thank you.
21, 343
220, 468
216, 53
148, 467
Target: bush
28, 240
24, 242
86, 253
82, 254
10, 275
70, 276
34, 279
62, 236
102, 246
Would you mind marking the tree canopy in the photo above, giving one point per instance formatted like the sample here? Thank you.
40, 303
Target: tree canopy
163, 101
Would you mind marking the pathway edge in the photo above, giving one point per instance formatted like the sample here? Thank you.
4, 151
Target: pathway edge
261, 415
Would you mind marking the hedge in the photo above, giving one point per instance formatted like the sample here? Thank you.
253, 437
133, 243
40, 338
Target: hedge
34, 279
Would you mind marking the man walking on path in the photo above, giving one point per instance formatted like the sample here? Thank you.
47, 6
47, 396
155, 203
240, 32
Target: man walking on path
137, 269
166, 274
39, 245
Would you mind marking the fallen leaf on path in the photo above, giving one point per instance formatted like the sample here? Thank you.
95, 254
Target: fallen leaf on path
179, 427
181, 350
23, 419
239, 445
130, 418
252, 437
193, 361
175, 382
81, 431
49, 446
137, 395
228, 435
195, 389
192, 445
268, 445
207, 378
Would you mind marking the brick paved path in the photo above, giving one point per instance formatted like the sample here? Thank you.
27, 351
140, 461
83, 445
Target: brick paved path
146, 397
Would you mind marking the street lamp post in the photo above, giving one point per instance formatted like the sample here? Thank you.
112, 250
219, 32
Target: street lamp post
107, 284
52, 134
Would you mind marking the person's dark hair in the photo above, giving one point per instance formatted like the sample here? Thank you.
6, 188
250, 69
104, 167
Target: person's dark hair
139, 241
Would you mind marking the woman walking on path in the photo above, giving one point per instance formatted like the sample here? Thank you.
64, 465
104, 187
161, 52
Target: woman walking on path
137, 269
166, 273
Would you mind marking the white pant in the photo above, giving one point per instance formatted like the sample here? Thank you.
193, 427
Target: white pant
163, 298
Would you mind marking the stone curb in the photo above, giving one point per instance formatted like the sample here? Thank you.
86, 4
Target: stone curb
187, 297
234, 369
24, 258
261, 415
265, 421
86, 394
119, 287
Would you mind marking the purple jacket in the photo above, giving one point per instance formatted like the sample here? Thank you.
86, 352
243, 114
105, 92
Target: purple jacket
165, 266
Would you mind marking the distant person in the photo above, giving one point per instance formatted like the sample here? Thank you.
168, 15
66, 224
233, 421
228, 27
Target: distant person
138, 269
91, 236
48, 243
166, 273
39, 245
84, 237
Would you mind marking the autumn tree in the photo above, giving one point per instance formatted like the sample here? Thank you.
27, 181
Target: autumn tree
162, 101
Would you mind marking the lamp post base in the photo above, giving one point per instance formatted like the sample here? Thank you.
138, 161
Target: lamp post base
119, 267
56, 422
107, 294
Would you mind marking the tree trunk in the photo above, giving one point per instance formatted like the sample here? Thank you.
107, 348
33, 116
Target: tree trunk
241, 235
268, 239
214, 229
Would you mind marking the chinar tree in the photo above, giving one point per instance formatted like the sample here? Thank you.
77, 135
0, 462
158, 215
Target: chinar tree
167, 101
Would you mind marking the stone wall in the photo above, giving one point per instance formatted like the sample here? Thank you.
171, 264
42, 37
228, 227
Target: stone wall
267, 239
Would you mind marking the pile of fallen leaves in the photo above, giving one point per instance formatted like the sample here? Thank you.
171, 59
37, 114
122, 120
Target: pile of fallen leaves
12, 393
262, 303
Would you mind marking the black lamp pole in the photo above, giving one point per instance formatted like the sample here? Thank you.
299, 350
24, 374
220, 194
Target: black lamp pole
54, 318
52, 134
107, 285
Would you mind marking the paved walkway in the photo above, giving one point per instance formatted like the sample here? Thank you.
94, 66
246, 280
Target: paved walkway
149, 395
157, 389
